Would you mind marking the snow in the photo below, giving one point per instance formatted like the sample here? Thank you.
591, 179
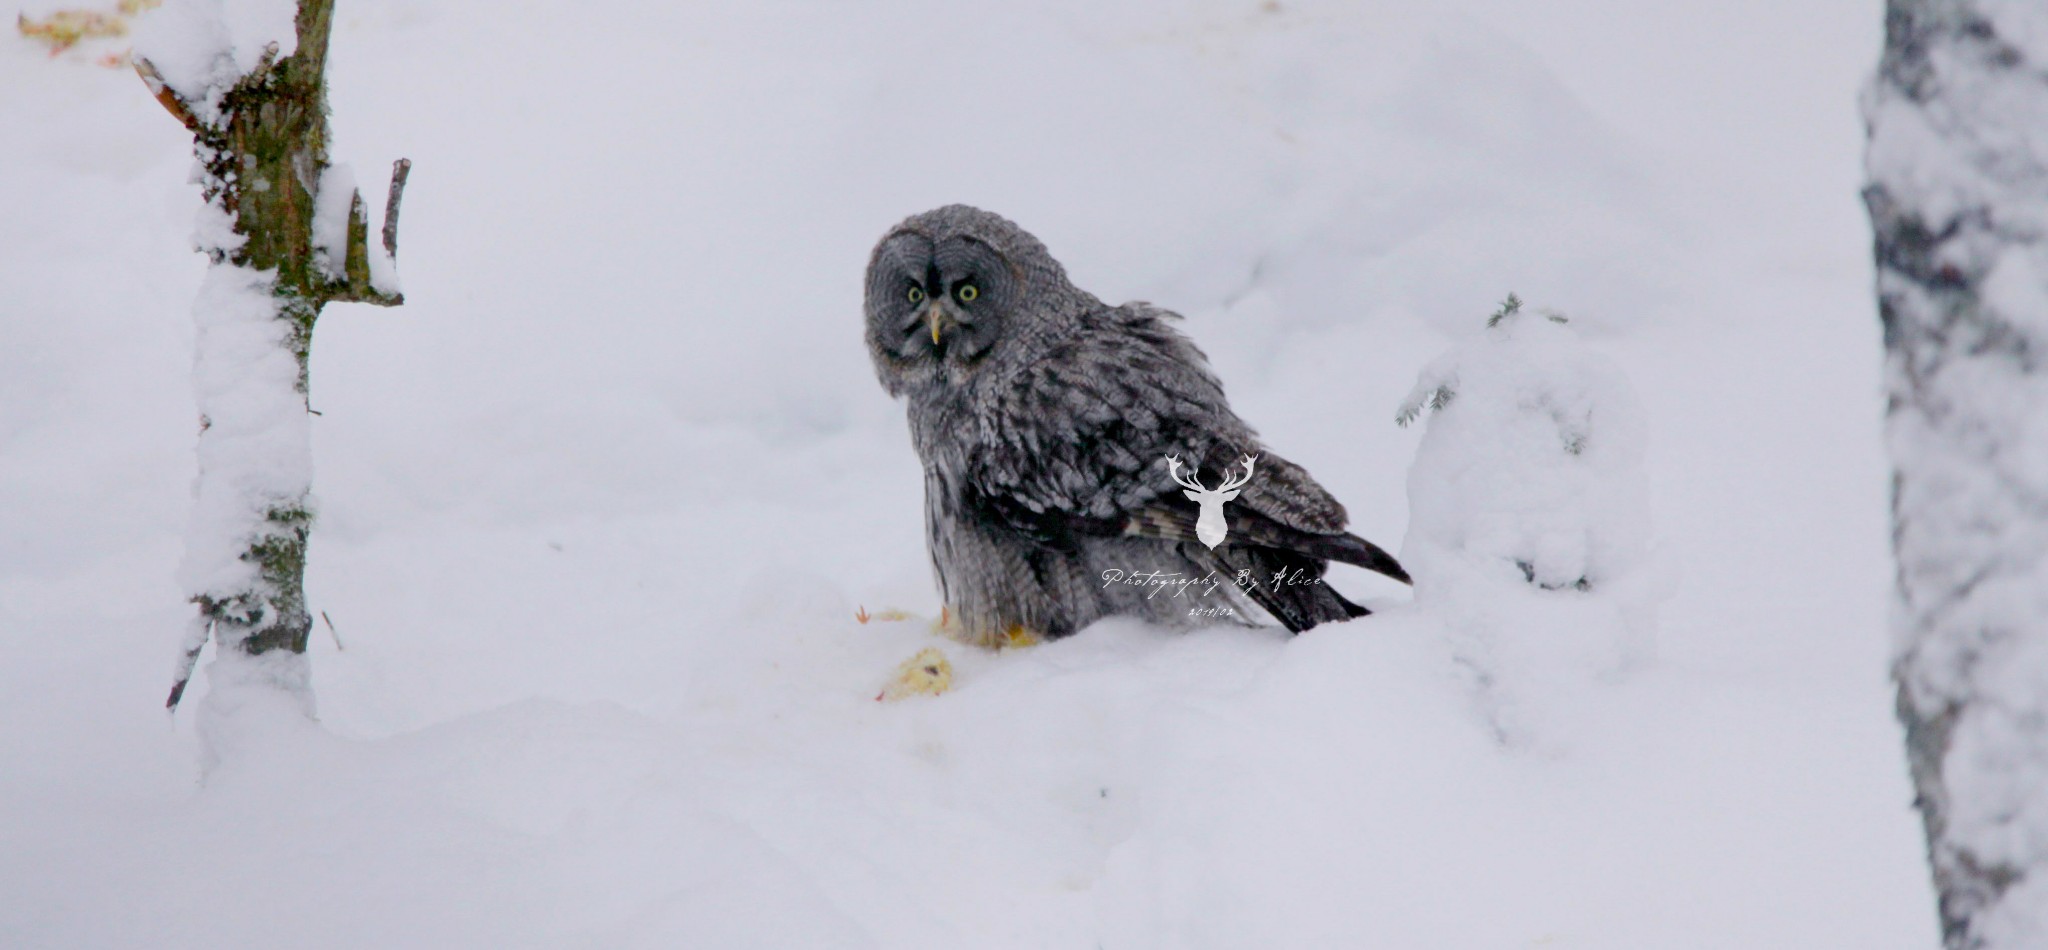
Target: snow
201, 48
257, 441
383, 270
333, 202
255, 455
599, 502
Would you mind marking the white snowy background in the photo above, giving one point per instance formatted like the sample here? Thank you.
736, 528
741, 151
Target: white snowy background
598, 504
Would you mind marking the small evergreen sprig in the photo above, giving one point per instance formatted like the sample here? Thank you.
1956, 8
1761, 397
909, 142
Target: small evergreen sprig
1508, 308
1436, 400
1513, 305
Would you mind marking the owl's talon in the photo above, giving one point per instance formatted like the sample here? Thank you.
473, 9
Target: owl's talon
1017, 637
889, 615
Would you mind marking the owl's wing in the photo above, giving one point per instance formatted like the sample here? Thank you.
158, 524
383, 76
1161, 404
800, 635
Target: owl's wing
1081, 443
1084, 431
1286, 493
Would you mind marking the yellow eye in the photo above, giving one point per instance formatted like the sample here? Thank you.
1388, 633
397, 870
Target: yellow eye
967, 292
917, 295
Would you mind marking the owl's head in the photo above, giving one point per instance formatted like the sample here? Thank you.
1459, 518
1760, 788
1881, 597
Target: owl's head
950, 288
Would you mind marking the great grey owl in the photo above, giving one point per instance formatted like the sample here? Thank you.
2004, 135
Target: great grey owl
1052, 425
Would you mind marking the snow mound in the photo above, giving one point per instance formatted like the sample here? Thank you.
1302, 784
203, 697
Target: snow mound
1529, 525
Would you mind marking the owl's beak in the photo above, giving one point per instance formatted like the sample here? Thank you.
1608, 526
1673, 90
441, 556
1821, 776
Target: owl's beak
932, 318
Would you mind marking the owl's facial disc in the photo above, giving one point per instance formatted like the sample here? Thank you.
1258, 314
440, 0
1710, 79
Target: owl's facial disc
940, 303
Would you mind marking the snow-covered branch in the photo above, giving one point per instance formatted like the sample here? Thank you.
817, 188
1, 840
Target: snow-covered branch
172, 102
356, 270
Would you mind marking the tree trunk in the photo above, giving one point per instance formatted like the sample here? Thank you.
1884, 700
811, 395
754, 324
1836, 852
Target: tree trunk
285, 236
1958, 197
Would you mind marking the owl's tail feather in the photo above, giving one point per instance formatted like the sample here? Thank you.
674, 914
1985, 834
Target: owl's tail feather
1352, 549
1300, 608
1288, 585
1260, 547
1252, 529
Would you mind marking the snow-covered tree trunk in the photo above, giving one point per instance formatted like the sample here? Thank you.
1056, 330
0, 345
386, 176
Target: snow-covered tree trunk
1958, 196
285, 234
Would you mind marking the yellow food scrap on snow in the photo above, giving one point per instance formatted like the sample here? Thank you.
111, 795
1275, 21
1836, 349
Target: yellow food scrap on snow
928, 673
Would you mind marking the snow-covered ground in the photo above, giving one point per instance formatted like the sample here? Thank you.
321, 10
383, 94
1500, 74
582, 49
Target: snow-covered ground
598, 504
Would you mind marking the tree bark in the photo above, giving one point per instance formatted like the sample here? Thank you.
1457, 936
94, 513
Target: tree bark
262, 146
1958, 198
